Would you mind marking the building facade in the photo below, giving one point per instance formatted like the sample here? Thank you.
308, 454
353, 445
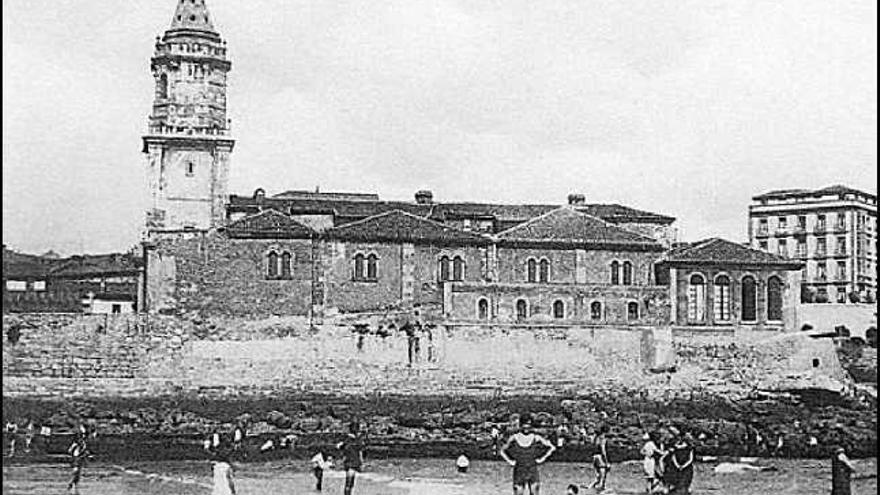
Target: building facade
832, 230
324, 253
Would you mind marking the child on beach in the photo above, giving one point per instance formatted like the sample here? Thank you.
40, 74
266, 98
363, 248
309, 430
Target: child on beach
600, 458
462, 463
319, 464
649, 453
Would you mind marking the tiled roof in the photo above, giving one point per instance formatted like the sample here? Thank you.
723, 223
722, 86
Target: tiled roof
804, 193
269, 223
567, 226
400, 226
347, 210
716, 250
620, 213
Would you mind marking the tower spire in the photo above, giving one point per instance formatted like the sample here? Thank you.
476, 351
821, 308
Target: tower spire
192, 14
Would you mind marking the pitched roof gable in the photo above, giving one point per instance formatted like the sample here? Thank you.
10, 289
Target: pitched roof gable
717, 250
269, 223
567, 226
400, 226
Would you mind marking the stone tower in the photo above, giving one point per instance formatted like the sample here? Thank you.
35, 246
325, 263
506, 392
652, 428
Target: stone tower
188, 141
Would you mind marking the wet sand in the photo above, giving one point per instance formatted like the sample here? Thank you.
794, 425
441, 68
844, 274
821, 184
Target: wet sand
414, 477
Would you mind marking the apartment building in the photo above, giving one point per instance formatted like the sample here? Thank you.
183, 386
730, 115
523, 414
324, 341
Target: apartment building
833, 230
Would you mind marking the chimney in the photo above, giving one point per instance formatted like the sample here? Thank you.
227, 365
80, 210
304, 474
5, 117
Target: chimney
576, 199
424, 197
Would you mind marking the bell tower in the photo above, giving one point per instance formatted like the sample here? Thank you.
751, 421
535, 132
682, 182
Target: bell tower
188, 142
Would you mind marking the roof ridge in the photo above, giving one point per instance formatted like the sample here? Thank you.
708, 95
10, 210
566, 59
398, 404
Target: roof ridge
269, 211
530, 221
412, 215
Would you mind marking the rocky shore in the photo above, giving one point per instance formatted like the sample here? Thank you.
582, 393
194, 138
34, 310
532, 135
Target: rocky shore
809, 422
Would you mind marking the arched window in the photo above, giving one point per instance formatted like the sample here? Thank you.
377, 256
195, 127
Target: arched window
372, 269
632, 311
774, 299
544, 271
285, 264
483, 309
444, 269
558, 310
458, 269
722, 298
749, 292
522, 310
615, 273
162, 90
272, 265
696, 298
532, 269
359, 269
595, 310
627, 273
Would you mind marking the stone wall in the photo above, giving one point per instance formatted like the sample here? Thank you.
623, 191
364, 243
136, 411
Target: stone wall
653, 303
216, 275
170, 355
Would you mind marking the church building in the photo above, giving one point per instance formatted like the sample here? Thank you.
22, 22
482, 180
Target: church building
209, 252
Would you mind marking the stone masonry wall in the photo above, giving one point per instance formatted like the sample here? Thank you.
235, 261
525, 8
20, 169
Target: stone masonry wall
70, 355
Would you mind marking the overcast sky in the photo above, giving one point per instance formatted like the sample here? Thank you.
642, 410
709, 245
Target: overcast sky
686, 108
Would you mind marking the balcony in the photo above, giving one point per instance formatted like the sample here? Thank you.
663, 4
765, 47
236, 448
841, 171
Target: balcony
780, 232
821, 254
841, 227
762, 233
799, 230
820, 229
801, 254
840, 253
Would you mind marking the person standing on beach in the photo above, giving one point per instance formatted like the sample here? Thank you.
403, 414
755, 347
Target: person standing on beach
682, 460
352, 455
319, 464
78, 452
600, 458
650, 451
224, 482
523, 452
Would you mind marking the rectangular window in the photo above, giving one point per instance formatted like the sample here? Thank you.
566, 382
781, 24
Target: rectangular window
762, 226
841, 221
16, 285
821, 272
801, 249
116, 308
841, 270
802, 222
783, 247
783, 223
821, 247
841, 245
820, 223
40, 285
763, 245
841, 295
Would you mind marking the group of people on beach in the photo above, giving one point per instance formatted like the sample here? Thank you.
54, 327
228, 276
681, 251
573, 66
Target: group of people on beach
669, 471
667, 460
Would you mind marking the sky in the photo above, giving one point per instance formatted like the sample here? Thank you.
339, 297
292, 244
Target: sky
683, 107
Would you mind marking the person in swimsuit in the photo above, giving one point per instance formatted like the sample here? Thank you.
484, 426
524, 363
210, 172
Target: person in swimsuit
600, 458
682, 459
78, 451
352, 455
524, 451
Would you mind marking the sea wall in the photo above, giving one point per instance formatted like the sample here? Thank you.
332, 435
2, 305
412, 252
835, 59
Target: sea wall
84, 355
